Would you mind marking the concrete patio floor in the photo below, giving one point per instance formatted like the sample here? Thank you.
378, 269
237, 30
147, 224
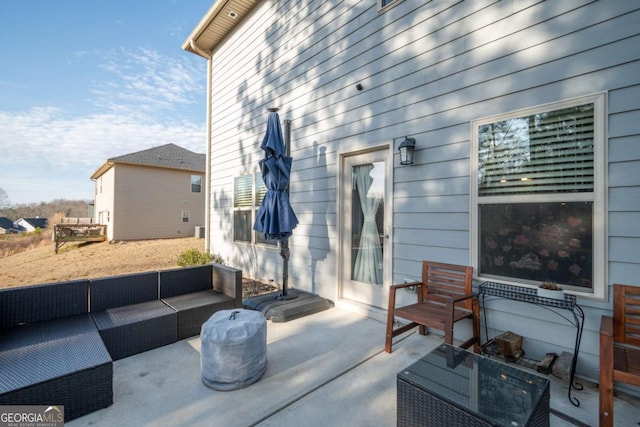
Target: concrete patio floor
327, 369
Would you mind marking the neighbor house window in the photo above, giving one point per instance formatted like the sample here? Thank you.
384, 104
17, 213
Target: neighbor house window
196, 183
538, 202
248, 192
185, 216
104, 217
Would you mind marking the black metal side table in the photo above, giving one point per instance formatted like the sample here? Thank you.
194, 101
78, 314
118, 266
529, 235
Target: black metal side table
529, 295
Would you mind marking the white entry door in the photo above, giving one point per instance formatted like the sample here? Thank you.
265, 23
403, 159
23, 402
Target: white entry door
365, 260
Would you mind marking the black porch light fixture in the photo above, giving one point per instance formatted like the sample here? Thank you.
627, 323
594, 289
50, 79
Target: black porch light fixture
406, 150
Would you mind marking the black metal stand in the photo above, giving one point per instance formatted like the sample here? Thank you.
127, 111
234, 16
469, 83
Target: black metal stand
284, 253
529, 295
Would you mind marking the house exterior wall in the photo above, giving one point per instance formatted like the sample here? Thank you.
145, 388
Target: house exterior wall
147, 203
427, 70
104, 200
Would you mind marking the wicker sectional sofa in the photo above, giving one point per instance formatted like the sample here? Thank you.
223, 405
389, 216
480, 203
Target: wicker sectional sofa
58, 340
50, 350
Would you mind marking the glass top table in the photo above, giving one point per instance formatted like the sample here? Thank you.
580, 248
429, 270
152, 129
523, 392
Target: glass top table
480, 390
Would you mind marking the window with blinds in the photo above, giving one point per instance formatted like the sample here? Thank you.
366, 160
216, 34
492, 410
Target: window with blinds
261, 190
243, 191
546, 152
538, 195
248, 192
243, 208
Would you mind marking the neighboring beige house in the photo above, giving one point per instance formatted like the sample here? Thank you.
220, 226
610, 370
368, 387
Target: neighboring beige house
151, 194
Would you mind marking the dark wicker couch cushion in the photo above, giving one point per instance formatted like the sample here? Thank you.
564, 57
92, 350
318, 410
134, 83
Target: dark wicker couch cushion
118, 291
136, 328
37, 303
58, 362
186, 280
195, 308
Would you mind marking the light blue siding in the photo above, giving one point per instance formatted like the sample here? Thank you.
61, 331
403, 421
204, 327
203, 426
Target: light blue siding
427, 70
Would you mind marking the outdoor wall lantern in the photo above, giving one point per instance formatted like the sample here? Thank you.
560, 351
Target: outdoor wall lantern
406, 150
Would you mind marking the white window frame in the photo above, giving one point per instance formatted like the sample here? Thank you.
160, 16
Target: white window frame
199, 177
598, 196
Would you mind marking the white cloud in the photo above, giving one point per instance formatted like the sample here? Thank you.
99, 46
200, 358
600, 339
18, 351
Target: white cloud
145, 82
51, 156
149, 100
46, 135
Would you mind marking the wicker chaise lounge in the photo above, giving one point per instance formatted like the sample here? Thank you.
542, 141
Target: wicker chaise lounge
50, 350
195, 293
129, 315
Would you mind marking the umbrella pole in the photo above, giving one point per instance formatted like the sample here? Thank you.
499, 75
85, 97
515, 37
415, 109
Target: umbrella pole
284, 245
284, 253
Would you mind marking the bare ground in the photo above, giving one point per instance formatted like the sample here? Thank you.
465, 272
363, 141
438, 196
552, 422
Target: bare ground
43, 265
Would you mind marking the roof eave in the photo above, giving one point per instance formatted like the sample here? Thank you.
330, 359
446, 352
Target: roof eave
102, 169
165, 167
216, 25
204, 23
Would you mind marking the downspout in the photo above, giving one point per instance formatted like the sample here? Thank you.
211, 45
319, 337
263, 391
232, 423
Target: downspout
207, 185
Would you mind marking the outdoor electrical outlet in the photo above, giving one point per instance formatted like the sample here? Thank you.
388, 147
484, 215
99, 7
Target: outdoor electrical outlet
410, 288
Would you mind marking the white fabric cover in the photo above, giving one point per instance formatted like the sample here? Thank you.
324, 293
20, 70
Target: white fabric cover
233, 349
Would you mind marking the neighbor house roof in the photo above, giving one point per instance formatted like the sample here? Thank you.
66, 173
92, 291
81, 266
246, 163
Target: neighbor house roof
33, 222
7, 224
169, 156
218, 22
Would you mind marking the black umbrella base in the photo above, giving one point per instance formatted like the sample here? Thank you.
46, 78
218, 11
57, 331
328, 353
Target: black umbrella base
286, 297
281, 308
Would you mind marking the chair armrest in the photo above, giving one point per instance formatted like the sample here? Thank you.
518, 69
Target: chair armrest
451, 302
405, 285
462, 298
394, 288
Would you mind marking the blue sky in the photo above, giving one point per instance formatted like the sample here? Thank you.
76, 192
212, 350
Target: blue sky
83, 81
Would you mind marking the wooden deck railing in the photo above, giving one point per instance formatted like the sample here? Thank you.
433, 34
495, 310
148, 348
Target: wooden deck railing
80, 230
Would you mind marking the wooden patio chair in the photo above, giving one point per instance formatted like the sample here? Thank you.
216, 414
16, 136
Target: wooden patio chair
445, 297
619, 347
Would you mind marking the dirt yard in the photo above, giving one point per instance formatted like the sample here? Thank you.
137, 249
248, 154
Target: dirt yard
42, 265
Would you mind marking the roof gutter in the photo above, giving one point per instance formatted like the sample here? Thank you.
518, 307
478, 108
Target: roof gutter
204, 23
102, 170
199, 51
207, 184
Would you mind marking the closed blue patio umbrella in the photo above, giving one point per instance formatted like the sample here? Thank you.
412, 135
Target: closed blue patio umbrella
276, 218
